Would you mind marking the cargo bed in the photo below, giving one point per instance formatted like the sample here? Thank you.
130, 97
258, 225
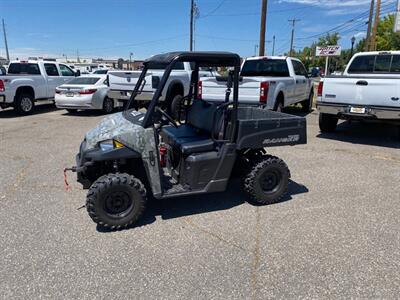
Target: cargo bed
258, 128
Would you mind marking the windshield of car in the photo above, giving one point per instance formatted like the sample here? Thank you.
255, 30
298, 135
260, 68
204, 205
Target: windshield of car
265, 67
24, 68
84, 80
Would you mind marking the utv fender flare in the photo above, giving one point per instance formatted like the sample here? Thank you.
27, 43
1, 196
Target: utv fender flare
114, 154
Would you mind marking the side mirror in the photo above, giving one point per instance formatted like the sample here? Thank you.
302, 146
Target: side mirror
77, 73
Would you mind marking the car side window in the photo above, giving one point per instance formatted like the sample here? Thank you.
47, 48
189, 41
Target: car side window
382, 63
362, 64
65, 71
395, 68
299, 69
51, 70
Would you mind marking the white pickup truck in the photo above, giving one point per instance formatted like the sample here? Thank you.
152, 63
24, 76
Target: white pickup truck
122, 83
368, 89
28, 82
270, 81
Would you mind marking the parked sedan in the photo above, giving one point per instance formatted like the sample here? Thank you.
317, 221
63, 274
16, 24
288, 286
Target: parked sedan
87, 92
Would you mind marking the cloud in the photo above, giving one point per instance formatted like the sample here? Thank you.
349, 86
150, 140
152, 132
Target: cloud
360, 35
329, 3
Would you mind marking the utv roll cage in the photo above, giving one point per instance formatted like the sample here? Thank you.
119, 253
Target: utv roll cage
198, 59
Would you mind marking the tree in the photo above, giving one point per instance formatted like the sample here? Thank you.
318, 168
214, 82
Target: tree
120, 63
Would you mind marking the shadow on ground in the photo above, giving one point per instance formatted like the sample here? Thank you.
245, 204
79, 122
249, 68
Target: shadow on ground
367, 133
86, 113
200, 204
39, 109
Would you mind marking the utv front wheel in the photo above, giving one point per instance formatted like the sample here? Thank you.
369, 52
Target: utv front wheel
268, 180
116, 201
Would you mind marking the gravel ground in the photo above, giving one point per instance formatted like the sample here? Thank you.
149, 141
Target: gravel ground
336, 235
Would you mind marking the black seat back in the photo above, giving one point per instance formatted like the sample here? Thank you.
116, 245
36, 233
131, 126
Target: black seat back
201, 115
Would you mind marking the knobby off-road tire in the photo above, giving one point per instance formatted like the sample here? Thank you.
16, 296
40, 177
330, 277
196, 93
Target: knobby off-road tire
24, 104
268, 180
116, 201
327, 122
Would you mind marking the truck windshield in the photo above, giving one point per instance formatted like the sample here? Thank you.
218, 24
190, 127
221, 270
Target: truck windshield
23, 68
84, 80
265, 67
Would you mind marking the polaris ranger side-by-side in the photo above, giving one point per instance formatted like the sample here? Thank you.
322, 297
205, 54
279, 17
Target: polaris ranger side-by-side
132, 154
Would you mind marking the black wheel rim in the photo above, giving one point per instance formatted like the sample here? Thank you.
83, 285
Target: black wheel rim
270, 181
118, 204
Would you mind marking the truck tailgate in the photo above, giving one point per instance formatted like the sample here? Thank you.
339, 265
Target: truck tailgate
213, 89
364, 91
124, 81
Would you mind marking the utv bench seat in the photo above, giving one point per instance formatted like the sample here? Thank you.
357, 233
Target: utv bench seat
195, 135
188, 139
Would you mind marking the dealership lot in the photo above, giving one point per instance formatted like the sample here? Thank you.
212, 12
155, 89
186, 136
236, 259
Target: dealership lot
335, 235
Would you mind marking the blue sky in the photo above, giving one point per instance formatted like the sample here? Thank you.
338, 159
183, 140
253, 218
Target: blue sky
114, 28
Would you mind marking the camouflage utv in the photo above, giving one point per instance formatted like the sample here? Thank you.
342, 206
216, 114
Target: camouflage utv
132, 155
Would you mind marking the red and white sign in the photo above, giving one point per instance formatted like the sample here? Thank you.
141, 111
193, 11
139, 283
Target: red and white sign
329, 51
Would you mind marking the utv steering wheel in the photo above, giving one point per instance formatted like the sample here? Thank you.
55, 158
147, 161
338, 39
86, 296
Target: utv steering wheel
167, 116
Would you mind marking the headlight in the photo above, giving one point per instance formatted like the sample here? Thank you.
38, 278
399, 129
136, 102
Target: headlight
110, 144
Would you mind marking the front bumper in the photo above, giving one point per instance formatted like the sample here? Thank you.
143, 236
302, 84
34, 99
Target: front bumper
90, 162
371, 112
74, 103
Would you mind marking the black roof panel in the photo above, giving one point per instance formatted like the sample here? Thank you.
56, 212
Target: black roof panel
206, 58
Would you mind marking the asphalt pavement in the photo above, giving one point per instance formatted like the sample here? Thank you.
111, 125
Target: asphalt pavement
336, 235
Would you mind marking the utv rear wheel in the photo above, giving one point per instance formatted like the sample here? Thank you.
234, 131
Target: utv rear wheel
116, 201
268, 180
327, 122
24, 104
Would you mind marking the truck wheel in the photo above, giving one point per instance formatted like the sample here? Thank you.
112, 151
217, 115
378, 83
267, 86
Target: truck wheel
176, 107
24, 104
116, 201
306, 105
108, 105
279, 106
327, 122
268, 180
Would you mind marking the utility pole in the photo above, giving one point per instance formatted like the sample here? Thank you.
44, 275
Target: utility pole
263, 26
292, 39
5, 41
371, 14
130, 61
376, 23
191, 24
77, 56
397, 19
273, 46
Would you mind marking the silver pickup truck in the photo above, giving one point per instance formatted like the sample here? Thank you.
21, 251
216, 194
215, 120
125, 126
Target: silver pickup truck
369, 89
28, 82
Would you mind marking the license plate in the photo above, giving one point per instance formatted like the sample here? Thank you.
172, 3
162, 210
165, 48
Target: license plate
357, 110
2, 99
69, 94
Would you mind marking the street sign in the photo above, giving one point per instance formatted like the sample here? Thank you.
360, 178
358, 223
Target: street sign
329, 51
